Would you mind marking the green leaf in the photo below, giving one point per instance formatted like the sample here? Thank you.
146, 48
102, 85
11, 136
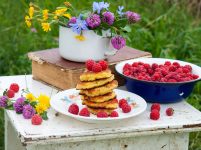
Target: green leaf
121, 23
33, 104
85, 14
44, 115
127, 28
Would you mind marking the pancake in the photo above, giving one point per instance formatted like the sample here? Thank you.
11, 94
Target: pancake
93, 84
100, 90
99, 99
91, 76
96, 110
111, 104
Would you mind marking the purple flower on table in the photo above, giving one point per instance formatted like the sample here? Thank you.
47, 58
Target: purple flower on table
79, 25
18, 105
119, 11
3, 101
28, 111
132, 17
93, 21
108, 18
72, 20
98, 6
118, 42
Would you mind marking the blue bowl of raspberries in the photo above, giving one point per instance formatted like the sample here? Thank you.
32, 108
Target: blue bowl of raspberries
159, 80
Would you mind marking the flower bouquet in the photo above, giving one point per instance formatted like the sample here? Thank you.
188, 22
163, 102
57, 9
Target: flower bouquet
92, 35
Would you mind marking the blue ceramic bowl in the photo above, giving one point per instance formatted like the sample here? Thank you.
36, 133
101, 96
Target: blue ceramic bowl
159, 92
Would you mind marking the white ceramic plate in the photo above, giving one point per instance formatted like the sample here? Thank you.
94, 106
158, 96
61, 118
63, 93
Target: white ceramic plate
62, 100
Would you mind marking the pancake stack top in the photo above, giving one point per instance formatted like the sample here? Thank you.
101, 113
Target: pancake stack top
96, 90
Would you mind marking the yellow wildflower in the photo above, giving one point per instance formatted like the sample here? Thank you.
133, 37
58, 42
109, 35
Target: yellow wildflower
60, 11
31, 12
55, 17
46, 27
40, 108
45, 14
67, 15
80, 37
68, 4
44, 100
28, 21
30, 97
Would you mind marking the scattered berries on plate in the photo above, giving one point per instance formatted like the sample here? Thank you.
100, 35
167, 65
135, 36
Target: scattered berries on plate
102, 114
167, 72
154, 115
15, 87
89, 64
126, 108
10, 93
36, 119
96, 67
122, 101
155, 106
84, 112
169, 111
73, 109
114, 114
103, 64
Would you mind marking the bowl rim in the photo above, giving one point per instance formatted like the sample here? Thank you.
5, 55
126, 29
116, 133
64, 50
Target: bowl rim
152, 82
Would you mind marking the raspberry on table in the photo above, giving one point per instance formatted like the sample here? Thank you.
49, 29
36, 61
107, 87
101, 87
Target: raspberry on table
84, 112
15, 87
10, 93
36, 119
73, 109
96, 67
89, 64
167, 63
114, 114
126, 108
122, 101
102, 114
169, 111
154, 115
156, 106
103, 64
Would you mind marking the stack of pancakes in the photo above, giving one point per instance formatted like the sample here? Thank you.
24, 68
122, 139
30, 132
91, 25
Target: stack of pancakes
96, 90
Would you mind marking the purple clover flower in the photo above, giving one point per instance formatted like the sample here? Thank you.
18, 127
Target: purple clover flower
72, 20
118, 42
93, 21
132, 17
119, 11
79, 25
18, 105
98, 6
3, 101
108, 18
28, 111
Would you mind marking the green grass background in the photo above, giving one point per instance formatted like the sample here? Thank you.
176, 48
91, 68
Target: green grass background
169, 29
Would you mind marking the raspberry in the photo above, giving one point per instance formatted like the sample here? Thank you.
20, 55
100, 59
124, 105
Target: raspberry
15, 87
167, 63
89, 64
195, 76
126, 108
154, 66
188, 67
126, 66
96, 67
147, 66
103, 64
122, 101
36, 119
140, 63
84, 112
169, 111
102, 114
155, 106
164, 72
135, 64
172, 68
114, 114
73, 109
154, 115
176, 64
185, 70
127, 73
10, 93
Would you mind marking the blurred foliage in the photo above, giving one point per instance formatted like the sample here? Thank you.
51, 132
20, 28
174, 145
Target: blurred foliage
169, 29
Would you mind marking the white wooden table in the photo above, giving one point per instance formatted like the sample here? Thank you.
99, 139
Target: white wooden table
61, 132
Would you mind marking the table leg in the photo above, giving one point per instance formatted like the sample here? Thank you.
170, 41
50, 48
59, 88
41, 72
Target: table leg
12, 142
